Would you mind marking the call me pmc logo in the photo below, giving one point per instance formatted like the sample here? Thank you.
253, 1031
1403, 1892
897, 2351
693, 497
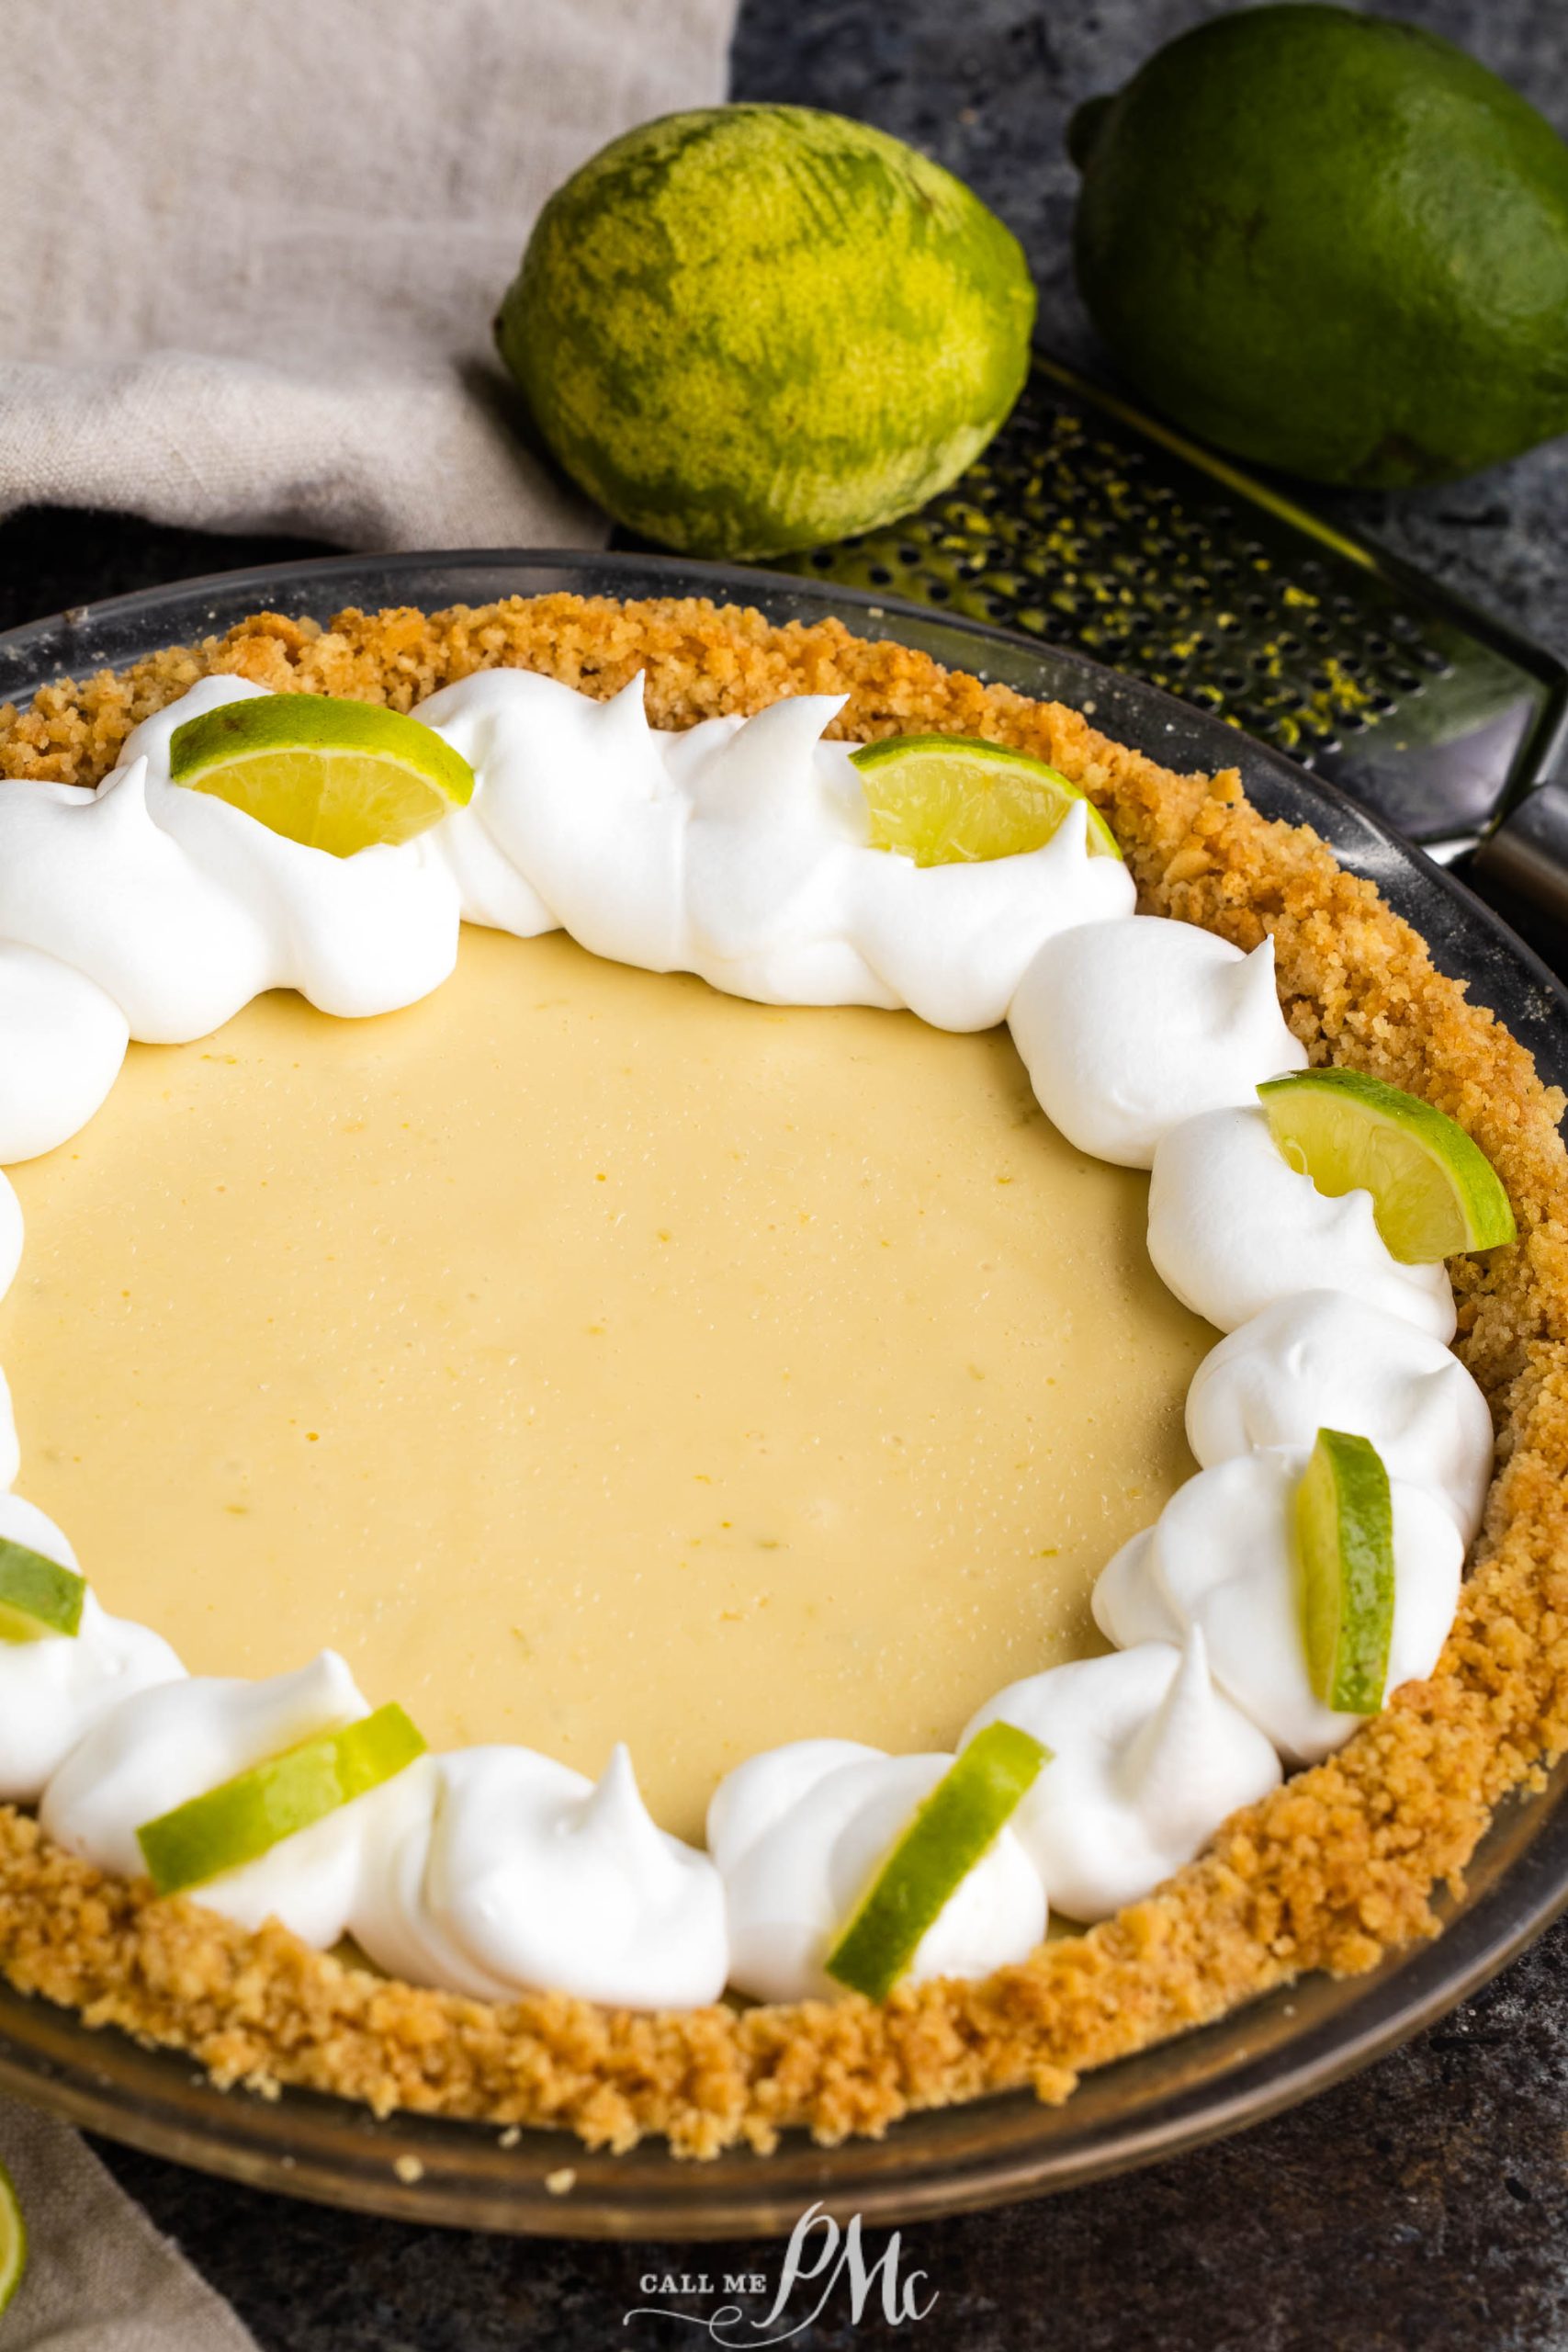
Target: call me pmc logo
814, 2265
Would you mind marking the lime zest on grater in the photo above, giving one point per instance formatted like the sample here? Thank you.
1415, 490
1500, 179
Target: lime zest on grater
1089, 524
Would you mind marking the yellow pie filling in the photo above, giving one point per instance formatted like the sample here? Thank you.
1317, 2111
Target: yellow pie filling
590, 1356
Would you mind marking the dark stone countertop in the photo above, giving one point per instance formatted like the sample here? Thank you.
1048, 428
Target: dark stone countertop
1423, 2204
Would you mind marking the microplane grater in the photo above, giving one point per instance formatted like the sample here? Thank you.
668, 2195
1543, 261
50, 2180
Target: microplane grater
1096, 527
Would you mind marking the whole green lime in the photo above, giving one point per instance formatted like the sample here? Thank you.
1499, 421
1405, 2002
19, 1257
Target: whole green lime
750, 328
1332, 244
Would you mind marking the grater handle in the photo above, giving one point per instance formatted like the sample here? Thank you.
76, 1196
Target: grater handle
1528, 853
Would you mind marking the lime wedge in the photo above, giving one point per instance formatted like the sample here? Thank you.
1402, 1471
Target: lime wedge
1434, 1192
37, 1596
952, 800
12, 2239
1345, 1555
951, 1829
245, 1818
335, 776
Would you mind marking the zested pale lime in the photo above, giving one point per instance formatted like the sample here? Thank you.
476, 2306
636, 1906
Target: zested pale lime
953, 800
748, 329
953, 1828
37, 1595
1434, 1191
1345, 1556
335, 776
12, 2239
243, 1818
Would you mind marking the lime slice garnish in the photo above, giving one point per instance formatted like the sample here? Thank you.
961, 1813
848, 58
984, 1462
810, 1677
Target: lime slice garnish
12, 2239
243, 1818
335, 776
37, 1595
1434, 1192
952, 800
955, 1828
1345, 1554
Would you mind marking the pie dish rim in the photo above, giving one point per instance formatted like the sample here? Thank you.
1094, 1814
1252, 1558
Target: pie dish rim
155, 622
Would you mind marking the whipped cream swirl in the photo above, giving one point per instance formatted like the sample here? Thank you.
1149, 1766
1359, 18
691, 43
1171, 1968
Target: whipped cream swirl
1322, 1359
506, 1873
799, 1834
62, 1043
1221, 1556
1147, 1759
174, 1742
1127, 1028
53, 1690
1233, 1227
738, 850
181, 908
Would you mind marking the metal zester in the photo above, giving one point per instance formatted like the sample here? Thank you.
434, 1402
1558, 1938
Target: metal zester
1090, 524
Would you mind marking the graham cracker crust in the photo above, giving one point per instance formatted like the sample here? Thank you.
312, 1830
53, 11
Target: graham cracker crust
1335, 1868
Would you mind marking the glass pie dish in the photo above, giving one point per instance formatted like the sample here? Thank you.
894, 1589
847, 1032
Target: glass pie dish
1260, 2057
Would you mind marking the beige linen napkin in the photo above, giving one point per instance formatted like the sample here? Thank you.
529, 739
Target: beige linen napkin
252, 254
99, 2277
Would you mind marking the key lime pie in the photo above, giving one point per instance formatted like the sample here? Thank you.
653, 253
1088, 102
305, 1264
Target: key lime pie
752, 1385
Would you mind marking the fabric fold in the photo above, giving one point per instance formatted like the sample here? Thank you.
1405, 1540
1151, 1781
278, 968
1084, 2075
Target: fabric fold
253, 256
100, 2278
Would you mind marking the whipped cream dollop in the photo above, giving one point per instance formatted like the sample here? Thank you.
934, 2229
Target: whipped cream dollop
508, 1873
799, 1834
1322, 1359
1233, 1227
738, 850
181, 908
1147, 1759
1127, 1028
53, 1690
178, 1740
62, 1043
1221, 1556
